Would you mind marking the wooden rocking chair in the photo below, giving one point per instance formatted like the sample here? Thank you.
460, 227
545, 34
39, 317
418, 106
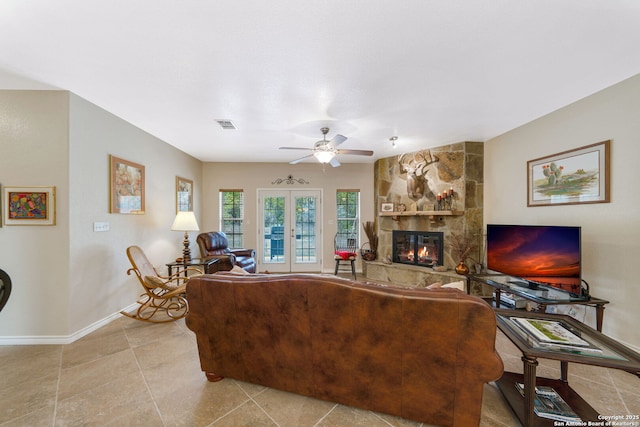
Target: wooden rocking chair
162, 294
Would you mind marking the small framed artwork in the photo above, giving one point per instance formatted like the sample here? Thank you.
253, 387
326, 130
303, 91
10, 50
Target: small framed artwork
386, 207
571, 177
127, 187
29, 205
184, 195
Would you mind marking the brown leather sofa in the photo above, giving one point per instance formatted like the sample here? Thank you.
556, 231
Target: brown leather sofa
419, 354
214, 244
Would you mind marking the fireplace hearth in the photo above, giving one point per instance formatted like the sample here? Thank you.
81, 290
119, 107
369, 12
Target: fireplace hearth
421, 248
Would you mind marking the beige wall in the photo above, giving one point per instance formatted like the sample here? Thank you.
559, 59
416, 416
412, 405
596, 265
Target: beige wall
34, 152
253, 176
610, 231
67, 278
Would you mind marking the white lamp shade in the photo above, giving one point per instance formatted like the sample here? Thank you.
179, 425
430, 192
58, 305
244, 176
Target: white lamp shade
324, 156
185, 221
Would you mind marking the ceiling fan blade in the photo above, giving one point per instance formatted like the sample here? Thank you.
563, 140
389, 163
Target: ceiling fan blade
293, 162
356, 152
294, 148
336, 140
334, 162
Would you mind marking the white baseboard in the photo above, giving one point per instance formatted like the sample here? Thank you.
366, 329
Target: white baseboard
61, 339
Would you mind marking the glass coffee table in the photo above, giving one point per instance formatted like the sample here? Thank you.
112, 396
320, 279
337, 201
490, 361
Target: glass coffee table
562, 338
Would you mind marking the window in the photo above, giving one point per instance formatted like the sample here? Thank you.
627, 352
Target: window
347, 213
232, 217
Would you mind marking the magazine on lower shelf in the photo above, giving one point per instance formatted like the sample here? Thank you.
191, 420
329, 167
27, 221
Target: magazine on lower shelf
549, 404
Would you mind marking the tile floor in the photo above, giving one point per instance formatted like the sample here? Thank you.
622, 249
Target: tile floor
131, 373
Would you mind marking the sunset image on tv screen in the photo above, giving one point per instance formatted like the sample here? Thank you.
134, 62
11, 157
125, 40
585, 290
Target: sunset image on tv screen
548, 254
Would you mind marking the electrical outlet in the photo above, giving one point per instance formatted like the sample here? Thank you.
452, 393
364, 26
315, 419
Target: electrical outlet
100, 226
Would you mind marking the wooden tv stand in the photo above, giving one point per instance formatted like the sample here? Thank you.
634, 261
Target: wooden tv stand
543, 297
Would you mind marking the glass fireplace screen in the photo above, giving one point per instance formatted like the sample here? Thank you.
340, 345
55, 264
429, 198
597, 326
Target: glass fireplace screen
422, 248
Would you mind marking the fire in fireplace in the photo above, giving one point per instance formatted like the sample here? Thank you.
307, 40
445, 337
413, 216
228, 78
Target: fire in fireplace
422, 248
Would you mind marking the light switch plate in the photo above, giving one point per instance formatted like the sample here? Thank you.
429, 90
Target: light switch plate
100, 226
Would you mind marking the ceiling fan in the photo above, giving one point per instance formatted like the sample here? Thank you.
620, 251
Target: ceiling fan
326, 151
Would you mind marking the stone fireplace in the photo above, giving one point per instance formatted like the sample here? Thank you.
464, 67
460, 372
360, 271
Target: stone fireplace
412, 183
421, 248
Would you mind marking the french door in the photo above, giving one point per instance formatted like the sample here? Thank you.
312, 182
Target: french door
289, 231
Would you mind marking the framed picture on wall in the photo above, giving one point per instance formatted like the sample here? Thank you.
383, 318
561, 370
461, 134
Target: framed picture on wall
184, 195
127, 187
571, 177
29, 205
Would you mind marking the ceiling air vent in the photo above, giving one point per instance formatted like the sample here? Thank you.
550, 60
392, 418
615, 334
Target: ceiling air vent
226, 124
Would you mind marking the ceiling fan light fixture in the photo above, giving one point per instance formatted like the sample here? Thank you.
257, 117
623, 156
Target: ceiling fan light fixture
324, 156
394, 141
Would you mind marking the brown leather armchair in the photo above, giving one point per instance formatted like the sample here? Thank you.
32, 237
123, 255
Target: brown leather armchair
214, 244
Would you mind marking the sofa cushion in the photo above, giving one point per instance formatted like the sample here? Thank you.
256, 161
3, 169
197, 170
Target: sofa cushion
238, 270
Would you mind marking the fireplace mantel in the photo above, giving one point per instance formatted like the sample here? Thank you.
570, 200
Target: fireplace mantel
433, 215
422, 213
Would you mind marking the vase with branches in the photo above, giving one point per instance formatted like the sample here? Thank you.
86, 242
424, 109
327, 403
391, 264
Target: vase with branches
462, 244
370, 230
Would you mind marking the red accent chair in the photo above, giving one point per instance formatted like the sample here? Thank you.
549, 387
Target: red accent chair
345, 253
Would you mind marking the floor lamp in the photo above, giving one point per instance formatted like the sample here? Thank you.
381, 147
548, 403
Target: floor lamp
185, 221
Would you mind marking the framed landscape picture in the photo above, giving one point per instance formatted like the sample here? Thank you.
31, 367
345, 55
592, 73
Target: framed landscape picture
29, 205
127, 187
184, 195
386, 207
571, 177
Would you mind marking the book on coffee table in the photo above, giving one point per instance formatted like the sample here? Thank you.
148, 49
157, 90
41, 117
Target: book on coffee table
554, 335
550, 331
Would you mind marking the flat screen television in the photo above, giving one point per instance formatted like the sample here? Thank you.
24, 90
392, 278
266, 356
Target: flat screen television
537, 254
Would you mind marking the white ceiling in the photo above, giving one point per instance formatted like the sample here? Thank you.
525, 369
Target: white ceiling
432, 72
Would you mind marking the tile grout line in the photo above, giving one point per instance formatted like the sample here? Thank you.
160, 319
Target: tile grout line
244, 402
326, 415
55, 399
620, 397
264, 410
381, 419
144, 379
